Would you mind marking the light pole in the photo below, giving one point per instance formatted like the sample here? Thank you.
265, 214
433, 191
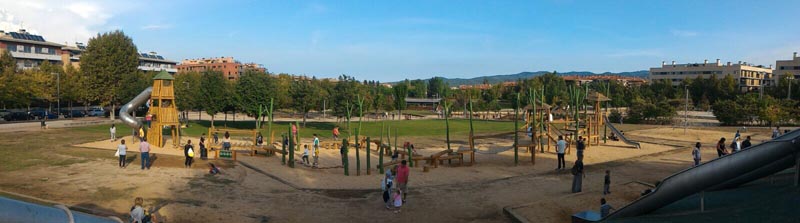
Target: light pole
58, 93
686, 110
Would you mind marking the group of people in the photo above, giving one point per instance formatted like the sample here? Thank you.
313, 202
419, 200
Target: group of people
144, 151
578, 170
314, 152
395, 186
736, 145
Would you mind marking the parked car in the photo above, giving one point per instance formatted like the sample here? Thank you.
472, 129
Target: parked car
42, 114
73, 113
17, 116
97, 112
4, 112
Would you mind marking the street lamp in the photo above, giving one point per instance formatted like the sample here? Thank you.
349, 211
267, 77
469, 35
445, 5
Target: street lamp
58, 93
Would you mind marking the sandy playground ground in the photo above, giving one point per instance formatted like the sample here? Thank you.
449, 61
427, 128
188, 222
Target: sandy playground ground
261, 189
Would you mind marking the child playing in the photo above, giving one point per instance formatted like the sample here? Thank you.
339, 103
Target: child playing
398, 200
305, 155
214, 169
387, 189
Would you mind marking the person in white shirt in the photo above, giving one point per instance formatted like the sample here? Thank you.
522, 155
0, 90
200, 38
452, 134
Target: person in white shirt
113, 133
316, 150
561, 147
305, 154
122, 150
696, 154
137, 211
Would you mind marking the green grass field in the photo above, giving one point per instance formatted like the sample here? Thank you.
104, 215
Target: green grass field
405, 127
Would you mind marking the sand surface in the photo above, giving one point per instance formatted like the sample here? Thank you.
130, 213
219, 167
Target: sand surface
271, 191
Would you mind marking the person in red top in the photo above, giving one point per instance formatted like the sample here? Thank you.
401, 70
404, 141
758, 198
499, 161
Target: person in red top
336, 133
402, 178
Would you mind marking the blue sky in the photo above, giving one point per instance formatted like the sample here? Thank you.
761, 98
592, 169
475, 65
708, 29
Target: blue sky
392, 40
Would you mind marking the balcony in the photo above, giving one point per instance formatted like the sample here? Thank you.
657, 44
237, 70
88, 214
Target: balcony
35, 56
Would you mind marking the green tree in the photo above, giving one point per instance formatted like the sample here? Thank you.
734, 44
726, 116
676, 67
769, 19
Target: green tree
188, 91
254, 89
213, 93
304, 97
108, 58
400, 93
437, 87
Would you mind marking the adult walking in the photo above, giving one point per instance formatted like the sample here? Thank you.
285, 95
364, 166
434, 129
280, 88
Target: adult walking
577, 176
746, 143
696, 154
188, 152
561, 147
203, 150
144, 149
402, 178
721, 147
113, 131
580, 147
122, 151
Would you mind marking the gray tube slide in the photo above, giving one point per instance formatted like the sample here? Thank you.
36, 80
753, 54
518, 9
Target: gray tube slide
12, 211
728, 171
620, 135
125, 111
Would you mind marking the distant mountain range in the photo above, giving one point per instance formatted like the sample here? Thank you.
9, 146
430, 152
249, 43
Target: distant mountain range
494, 79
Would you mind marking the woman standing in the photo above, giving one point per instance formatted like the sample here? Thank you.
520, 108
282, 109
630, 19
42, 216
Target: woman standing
226, 141
122, 150
188, 152
721, 147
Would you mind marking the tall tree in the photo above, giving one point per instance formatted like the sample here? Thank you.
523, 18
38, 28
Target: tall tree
436, 87
304, 97
213, 92
254, 89
400, 94
108, 58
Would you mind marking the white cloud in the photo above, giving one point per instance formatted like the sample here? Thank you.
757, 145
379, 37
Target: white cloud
61, 21
156, 26
683, 33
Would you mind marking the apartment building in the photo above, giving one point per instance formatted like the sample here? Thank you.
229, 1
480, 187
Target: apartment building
153, 62
783, 67
626, 81
748, 77
29, 50
229, 67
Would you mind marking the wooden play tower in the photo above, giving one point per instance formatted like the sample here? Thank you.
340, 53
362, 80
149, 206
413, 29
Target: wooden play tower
163, 111
595, 120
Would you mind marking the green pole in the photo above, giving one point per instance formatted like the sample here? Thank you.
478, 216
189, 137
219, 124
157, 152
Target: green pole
516, 132
358, 133
368, 157
283, 147
297, 143
258, 118
269, 129
447, 123
408, 158
471, 129
291, 147
395, 140
605, 127
345, 158
380, 150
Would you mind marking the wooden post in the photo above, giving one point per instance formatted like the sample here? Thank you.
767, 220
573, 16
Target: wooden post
358, 156
368, 158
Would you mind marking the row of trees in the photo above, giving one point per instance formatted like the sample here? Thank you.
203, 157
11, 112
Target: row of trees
109, 76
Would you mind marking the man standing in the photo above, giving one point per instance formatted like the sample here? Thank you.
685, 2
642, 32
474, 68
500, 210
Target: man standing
144, 149
402, 178
113, 133
746, 144
607, 183
696, 154
316, 150
580, 147
561, 147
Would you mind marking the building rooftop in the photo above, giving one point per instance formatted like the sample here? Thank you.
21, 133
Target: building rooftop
24, 37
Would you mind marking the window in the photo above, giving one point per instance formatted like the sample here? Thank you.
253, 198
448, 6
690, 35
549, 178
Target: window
28, 63
20, 48
45, 50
